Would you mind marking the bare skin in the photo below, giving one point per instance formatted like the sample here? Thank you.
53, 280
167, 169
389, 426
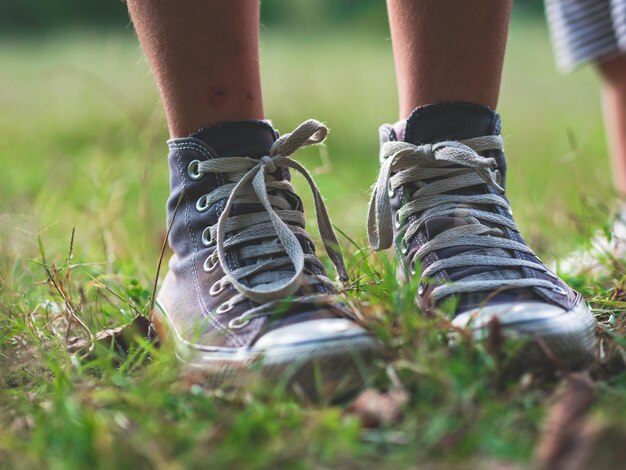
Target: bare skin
205, 58
447, 50
205, 55
613, 73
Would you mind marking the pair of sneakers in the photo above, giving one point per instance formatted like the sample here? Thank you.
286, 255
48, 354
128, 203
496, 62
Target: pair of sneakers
245, 289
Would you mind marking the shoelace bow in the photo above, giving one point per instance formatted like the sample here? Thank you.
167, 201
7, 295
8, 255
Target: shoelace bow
269, 237
438, 170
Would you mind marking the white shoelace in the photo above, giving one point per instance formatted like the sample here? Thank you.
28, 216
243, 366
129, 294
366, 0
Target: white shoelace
268, 237
429, 169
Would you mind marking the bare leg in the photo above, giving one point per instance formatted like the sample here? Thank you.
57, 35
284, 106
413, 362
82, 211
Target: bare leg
613, 73
205, 57
449, 50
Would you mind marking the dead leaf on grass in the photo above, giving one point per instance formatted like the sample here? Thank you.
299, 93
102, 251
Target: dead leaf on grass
375, 408
565, 440
122, 338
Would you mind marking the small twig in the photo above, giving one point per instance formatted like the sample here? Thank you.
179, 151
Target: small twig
111, 291
33, 325
73, 315
167, 235
41, 250
71, 252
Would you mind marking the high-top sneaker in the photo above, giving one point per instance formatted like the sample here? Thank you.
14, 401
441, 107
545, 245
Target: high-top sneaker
245, 289
440, 199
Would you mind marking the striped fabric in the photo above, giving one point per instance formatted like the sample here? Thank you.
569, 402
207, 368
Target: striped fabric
586, 30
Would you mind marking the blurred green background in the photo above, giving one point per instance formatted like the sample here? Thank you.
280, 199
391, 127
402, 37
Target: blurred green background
38, 15
82, 147
83, 133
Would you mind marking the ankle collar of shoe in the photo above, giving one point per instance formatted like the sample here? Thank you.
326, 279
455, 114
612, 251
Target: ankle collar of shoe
447, 121
236, 138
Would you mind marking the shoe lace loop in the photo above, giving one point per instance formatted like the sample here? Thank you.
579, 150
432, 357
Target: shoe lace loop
269, 238
438, 171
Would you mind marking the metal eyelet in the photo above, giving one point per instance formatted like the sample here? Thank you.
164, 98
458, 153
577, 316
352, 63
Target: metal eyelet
202, 203
421, 289
192, 170
391, 192
218, 288
224, 308
412, 269
559, 290
210, 264
396, 220
207, 239
404, 246
238, 323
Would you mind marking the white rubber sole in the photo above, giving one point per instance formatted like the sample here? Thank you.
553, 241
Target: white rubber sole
565, 336
321, 368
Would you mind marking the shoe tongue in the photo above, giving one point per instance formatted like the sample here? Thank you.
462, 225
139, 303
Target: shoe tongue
436, 225
448, 121
238, 138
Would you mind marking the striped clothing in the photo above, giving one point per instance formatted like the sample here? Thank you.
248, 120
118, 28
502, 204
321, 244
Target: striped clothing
586, 30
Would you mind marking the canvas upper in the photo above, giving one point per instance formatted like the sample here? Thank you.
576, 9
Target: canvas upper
444, 192
261, 291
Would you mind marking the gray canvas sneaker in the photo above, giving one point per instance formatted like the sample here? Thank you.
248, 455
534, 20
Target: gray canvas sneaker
245, 289
440, 200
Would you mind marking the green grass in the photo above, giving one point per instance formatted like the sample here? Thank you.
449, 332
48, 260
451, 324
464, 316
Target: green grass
82, 150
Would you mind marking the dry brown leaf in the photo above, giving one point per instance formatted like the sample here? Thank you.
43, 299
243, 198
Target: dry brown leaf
122, 337
567, 435
375, 408
495, 338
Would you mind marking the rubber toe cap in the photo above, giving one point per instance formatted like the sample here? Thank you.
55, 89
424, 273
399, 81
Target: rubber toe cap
312, 331
573, 328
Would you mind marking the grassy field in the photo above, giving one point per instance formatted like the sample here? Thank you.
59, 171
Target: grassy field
82, 194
